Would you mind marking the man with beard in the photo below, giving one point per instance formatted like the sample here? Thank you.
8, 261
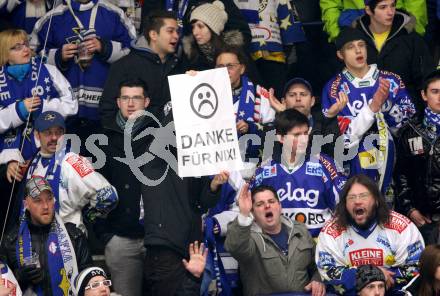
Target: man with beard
364, 231
74, 182
275, 253
45, 253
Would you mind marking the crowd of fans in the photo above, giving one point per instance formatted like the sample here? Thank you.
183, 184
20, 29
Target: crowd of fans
340, 195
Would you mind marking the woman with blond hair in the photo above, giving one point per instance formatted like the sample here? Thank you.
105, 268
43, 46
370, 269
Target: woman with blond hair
28, 87
427, 283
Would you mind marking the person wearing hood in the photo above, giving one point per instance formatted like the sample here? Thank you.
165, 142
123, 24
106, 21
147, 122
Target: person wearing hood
153, 58
337, 14
83, 38
275, 253
394, 46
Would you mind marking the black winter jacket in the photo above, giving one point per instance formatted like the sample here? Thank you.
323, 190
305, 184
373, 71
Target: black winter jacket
173, 208
124, 219
143, 64
235, 21
404, 53
417, 171
39, 236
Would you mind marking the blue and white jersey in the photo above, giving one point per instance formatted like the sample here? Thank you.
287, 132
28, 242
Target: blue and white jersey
98, 18
308, 192
375, 156
51, 87
25, 13
395, 246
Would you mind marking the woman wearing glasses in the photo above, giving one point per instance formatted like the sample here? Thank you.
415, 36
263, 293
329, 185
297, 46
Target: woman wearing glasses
247, 105
27, 88
92, 281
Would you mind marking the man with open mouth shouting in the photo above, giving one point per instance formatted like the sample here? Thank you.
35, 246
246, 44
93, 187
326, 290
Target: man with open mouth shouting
364, 231
275, 254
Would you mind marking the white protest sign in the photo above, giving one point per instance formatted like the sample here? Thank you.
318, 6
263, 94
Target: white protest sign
204, 118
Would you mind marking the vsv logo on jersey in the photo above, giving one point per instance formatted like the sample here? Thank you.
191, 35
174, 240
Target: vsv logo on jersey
366, 256
311, 197
313, 169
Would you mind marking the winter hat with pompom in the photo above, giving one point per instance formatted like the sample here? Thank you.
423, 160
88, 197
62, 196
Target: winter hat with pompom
212, 14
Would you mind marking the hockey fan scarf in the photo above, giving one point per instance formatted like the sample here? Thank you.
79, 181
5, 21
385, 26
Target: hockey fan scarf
432, 123
61, 256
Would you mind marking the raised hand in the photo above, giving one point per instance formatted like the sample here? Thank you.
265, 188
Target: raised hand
197, 259
245, 200
275, 103
219, 180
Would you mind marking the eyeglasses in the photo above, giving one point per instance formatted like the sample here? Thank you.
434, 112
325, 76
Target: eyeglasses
96, 285
230, 66
20, 46
134, 98
361, 196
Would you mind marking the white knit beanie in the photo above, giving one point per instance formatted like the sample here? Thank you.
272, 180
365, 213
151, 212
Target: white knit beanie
212, 14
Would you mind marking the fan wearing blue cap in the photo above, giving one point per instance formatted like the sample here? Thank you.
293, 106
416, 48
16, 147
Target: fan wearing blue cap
75, 183
298, 94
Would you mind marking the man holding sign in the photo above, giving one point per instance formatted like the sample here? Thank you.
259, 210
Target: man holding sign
172, 216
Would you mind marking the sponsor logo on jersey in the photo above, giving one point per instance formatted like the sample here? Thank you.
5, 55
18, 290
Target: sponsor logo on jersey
312, 218
313, 169
416, 145
364, 83
81, 166
270, 171
329, 167
333, 229
349, 76
375, 74
366, 256
383, 240
414, 252
397, 222
325, 258
311, 197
